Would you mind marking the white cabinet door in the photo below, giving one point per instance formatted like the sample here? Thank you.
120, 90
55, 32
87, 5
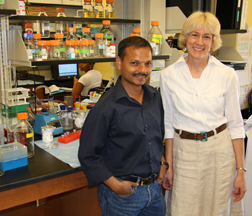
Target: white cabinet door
45, 1
73, 2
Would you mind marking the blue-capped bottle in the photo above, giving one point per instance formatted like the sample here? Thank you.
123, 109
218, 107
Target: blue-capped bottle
28, 37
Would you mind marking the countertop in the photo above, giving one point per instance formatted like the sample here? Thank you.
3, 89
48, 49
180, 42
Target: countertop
42, 166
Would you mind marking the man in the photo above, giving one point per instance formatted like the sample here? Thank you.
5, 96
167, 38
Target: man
121, 141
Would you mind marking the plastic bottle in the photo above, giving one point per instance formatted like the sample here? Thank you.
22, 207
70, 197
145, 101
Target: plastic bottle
110, 9
88, 11
44, 24
43, 55
21, 8
98, 9
137, 31
86, 34
61, 26
36, 38
108, 36
70, 49
71, 34
29, 45
99, 45
62, 45
24, 134
155, 38
54, 49
112, 50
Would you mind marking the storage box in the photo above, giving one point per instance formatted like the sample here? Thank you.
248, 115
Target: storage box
14, 155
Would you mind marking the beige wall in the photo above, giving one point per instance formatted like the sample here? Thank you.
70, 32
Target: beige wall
249, 14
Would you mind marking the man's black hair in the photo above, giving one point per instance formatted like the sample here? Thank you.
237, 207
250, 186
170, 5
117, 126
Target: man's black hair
134, 41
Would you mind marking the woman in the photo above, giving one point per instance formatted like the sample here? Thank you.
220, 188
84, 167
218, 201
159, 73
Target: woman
203, 126
91, 79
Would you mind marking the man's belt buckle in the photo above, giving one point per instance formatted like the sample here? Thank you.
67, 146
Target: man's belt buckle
205, 139
143, 180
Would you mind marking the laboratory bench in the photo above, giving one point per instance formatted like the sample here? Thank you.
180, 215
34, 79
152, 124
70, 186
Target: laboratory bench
47, 186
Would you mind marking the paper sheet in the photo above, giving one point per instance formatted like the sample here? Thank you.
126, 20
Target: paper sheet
65, 152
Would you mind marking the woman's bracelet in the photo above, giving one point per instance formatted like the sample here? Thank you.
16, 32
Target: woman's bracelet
241, 168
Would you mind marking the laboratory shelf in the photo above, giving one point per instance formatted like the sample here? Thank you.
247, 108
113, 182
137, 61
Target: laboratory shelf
86, 60
88, 20
233, 31
6, 12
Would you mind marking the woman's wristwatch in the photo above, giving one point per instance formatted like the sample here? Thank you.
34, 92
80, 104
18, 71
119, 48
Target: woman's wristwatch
241, 168
165, 163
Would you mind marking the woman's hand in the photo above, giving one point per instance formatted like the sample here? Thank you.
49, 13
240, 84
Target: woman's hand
239, 186
167, 183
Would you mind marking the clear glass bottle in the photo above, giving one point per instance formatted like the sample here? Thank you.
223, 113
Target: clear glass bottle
110, 9
77, 49
137, 31
84, 51
70, 49
86, 34
44, 24
55, 50
155, 38
61, 26
62, 45
71, 34
24, 134
36, 38
91, 48
108, 36
98, 9
134, 35
47, 135
99, 45
88, 11
43, 52
78, 26
29, 45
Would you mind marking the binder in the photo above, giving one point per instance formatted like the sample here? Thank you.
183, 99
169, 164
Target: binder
238, 14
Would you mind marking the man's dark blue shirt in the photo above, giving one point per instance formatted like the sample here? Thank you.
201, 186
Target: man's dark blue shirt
121, 137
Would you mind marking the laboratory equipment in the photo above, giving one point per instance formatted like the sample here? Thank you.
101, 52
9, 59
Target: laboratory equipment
14, 155
108, 36
84, 51
86, 34
137, 31
69, 137
66, 117
62, 45
24, 134
91, 48
64, 71
79, 117
112, 50
110, 9
88, 11
46, 118
29, 45
42, 53
155, 38
54, 49
98, 9
61, 26
71, 34
100, 45
70, 49
36, 38
47, 136
78, 26
44, 24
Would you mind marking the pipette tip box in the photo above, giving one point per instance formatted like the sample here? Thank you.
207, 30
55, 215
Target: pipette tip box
13, 155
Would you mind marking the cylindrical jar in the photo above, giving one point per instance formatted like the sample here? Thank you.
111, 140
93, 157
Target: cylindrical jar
70, 49
100, 45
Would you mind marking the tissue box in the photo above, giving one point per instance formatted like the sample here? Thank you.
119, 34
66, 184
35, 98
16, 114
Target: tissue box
14, 155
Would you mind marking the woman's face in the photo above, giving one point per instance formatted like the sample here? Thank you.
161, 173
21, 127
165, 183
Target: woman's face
199, 44
85, 66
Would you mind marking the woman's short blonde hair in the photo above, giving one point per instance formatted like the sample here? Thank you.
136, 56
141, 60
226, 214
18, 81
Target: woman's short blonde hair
197, 21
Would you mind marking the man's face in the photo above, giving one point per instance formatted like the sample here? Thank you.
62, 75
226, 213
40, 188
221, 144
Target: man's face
136, 66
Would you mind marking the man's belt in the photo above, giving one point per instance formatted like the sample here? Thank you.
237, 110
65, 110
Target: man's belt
140, 180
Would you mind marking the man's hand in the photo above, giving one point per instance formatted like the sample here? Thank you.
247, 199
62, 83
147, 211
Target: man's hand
167, 183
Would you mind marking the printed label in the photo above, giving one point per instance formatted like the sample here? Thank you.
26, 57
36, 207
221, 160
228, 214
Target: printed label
29, 135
